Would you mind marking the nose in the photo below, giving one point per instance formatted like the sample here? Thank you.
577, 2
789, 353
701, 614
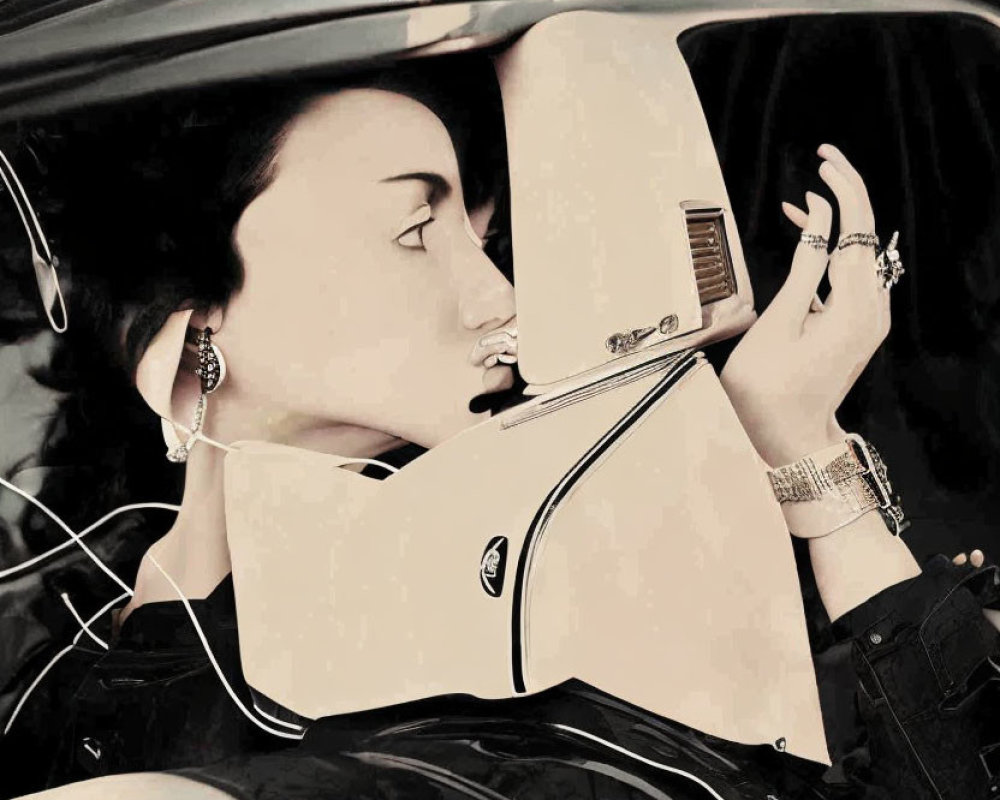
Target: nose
487, 298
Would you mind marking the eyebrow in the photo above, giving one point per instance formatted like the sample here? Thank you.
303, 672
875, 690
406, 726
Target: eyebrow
439, 185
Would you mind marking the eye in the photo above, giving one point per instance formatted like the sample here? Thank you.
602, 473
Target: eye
413, 238
411, 234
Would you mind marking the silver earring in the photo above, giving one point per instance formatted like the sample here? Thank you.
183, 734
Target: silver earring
211, 364
211, 370
180, 452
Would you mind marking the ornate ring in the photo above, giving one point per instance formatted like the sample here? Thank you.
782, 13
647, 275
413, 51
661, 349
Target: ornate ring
863, 239
814, 240
888, 267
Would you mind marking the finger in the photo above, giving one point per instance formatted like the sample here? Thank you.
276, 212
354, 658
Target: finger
977, 558
793, 300
855, 211
843, 164
858, 306
801, 218
795, 214
960, 559
849, 266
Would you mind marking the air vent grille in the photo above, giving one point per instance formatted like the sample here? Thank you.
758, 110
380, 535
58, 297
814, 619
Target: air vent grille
710, 255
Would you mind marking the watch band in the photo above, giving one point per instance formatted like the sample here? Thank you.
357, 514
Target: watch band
830, 488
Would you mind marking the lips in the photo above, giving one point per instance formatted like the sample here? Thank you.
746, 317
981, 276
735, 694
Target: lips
498, 378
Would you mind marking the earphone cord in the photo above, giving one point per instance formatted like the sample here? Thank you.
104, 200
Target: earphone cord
37, 243
77, 539
347, 460
85, 627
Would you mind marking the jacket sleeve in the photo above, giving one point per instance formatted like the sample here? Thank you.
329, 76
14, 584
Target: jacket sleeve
927, 668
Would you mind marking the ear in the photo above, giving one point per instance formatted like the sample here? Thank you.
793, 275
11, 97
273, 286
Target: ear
171, 394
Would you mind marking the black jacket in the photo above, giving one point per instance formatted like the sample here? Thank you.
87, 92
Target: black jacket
909, 691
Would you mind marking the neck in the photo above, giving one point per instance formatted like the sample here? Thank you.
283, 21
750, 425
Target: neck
195, 552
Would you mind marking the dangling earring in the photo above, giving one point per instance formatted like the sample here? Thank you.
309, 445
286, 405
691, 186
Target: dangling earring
211, 365
211, 370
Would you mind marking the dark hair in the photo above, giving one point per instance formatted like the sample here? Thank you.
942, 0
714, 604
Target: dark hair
140, 203
149, 194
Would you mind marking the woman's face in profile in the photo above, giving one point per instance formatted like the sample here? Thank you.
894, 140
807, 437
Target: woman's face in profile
366, 288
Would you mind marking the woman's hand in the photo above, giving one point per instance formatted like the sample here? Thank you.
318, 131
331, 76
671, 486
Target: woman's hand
793, 368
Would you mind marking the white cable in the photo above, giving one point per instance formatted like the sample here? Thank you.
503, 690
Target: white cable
55, 659
275, 720
72, 535
83, 625
382, 464
215, 664
21, 197
206, 439
128, 593
4, 573
31, 211
228, 449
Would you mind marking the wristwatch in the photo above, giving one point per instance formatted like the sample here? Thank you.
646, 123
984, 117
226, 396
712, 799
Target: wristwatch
826, 490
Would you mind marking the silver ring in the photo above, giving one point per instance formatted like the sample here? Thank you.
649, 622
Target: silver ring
888, 267
863, 239
814, 240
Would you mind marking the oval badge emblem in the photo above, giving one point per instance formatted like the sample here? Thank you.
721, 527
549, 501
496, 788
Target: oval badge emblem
493, 565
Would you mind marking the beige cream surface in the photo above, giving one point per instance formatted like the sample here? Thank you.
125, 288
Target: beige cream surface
607, 140
665, 578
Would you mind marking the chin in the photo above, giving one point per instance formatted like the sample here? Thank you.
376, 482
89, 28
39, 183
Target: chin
478, 406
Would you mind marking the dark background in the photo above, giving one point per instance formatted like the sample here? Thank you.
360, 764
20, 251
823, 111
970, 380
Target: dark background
914, 102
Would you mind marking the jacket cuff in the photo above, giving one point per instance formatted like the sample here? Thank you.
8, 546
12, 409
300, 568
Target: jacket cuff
926, 660
915, 601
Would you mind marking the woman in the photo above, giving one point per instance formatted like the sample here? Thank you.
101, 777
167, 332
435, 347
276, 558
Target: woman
136, 190
359, 274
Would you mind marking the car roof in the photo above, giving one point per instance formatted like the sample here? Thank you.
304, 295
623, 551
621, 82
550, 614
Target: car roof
58, 55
